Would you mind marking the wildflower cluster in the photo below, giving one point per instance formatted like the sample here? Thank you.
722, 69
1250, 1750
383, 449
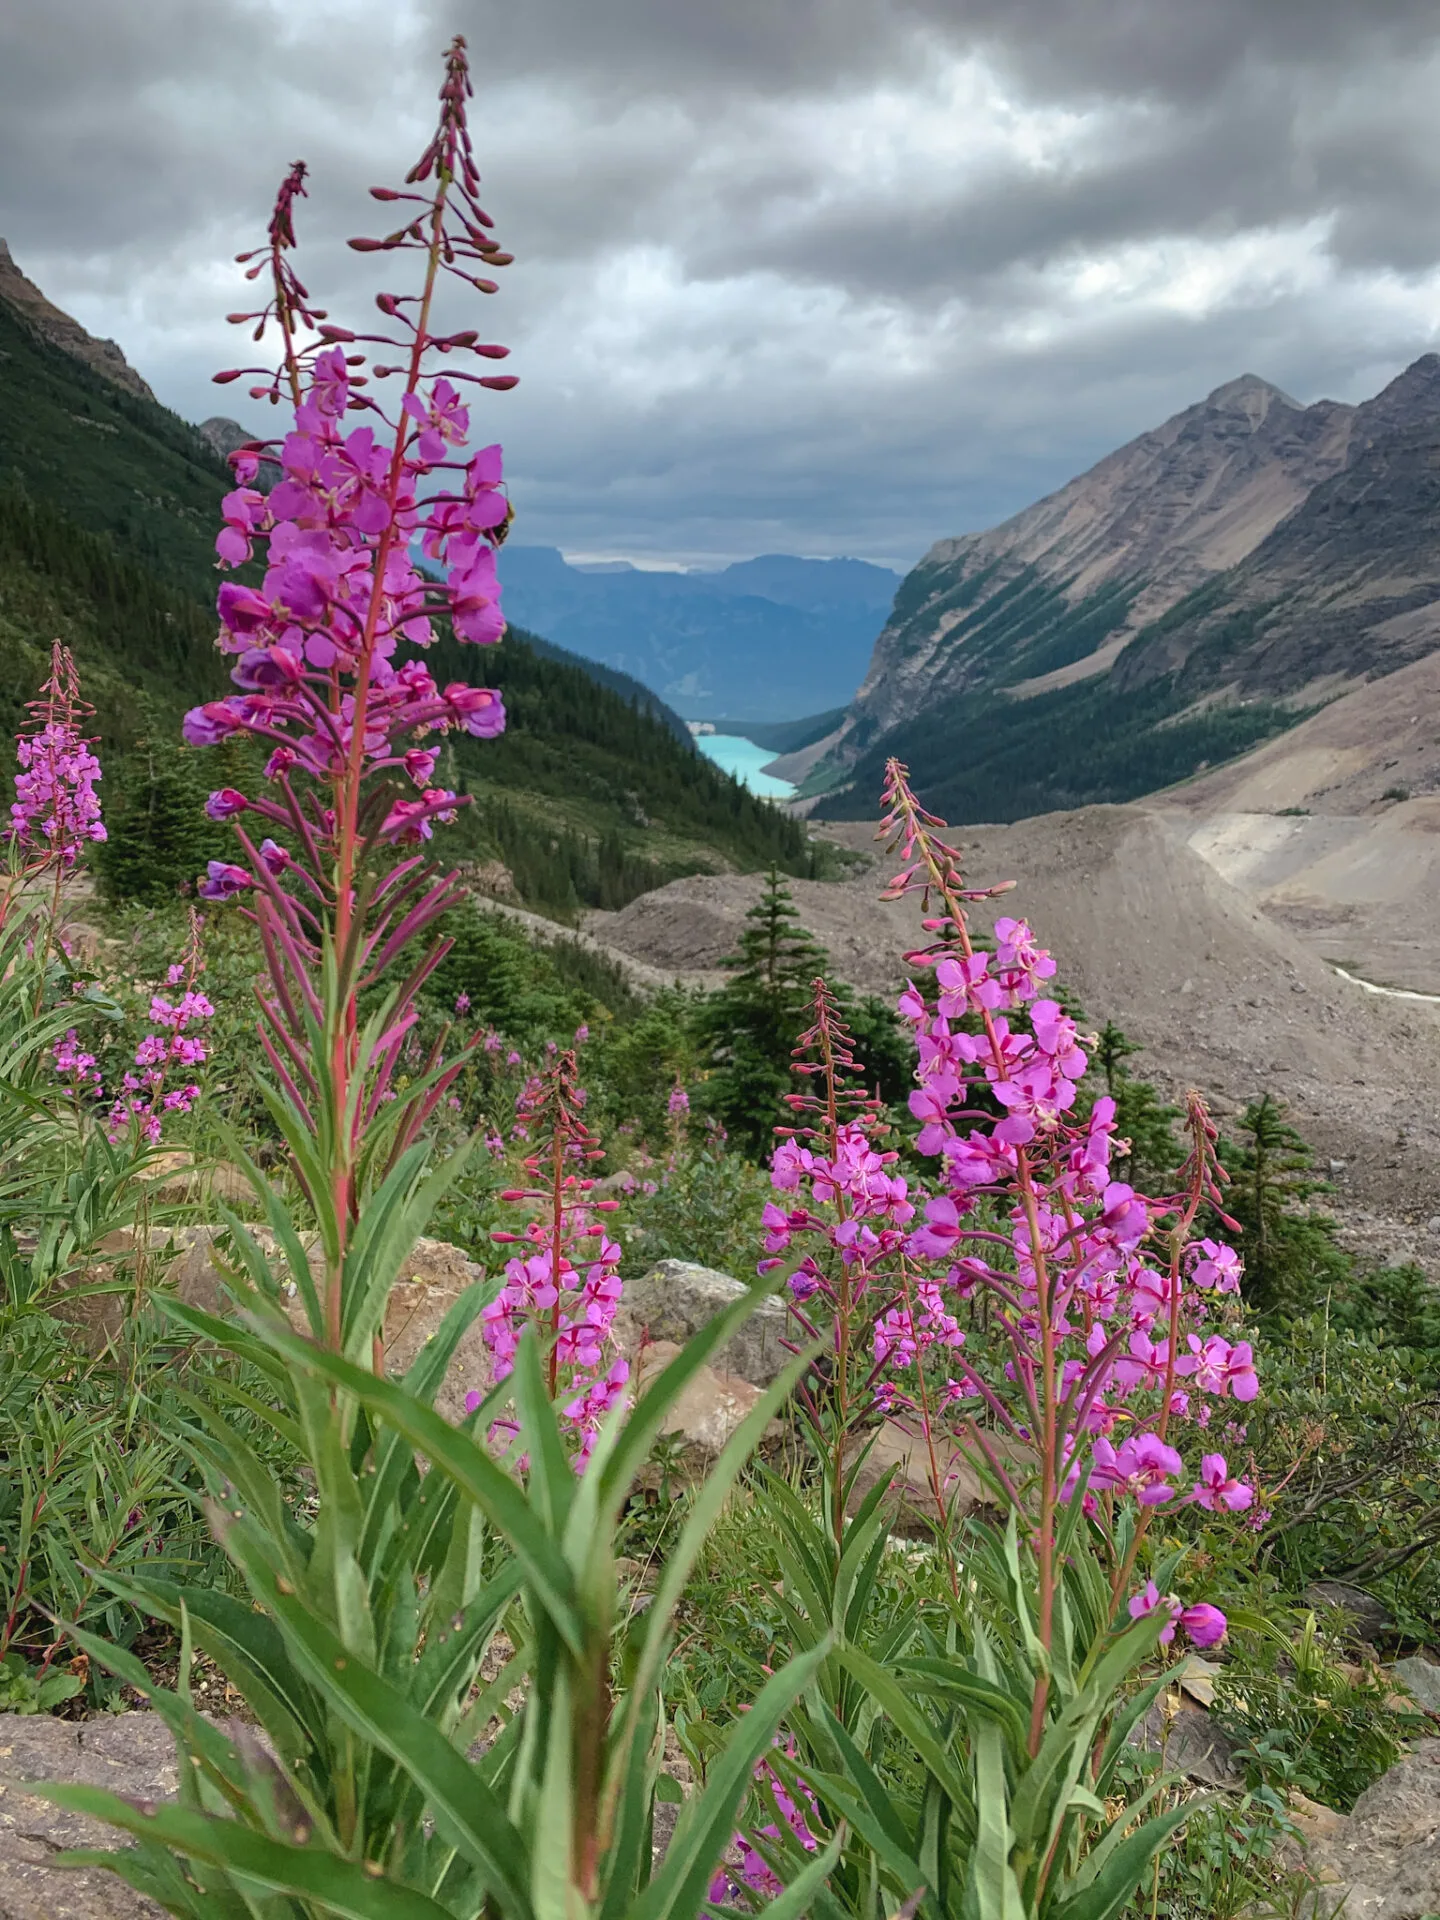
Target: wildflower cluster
1115, 1319
159, 1080
566, 1283
56, 808
172, 1047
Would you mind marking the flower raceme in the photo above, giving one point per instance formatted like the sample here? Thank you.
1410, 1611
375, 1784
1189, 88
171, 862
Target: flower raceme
1117, 1328
379, 528
160, 1080
172, 1048
56, 808
319, 646
566, 1284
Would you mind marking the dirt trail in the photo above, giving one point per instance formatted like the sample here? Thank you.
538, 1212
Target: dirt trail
1149, 934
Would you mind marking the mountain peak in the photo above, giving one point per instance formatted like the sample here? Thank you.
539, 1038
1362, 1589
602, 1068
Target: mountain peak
60, 330
1248, 394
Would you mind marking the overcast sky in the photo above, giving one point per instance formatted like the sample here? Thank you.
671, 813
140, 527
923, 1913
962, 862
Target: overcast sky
814, 276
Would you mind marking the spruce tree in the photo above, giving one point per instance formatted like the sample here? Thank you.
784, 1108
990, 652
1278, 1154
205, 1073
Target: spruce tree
1141, 1117
158, 836
1291, 1258
750, 1026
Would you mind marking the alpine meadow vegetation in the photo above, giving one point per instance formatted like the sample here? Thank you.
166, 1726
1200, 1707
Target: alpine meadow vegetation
511, 1653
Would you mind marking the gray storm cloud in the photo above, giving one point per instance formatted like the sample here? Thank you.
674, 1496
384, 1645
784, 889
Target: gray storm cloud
827, 276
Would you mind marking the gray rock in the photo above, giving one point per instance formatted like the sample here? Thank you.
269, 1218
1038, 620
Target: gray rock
1364, 1616
904, 1459
676, 1298
1422, 1680
708, 1411
1384, 1862
130, 1753
1189, 1742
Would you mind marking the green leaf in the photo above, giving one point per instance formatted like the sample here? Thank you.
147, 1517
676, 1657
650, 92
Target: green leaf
246, 1646
991, 1893
552, 1472
335, 1884
462, 1803
931, 1746
1120, 1877
468, 1465
705, 1511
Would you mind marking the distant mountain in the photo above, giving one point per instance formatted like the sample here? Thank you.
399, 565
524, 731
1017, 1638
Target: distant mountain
777, 637
1198, 589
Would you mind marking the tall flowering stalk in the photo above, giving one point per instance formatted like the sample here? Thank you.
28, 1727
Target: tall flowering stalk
56, 809
566, 1285
1113, 1315
319, 651
861, 1205
160, 1080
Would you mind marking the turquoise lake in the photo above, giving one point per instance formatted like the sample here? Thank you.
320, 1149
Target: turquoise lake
744, 759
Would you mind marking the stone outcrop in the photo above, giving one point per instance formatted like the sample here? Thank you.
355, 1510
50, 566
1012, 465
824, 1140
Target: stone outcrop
1383, 1862
676, 1298
129, 1753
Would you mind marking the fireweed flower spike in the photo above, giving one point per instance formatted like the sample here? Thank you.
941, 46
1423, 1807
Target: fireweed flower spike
565, 1283
56, 808
327, 651
1119, 1328
166, 1060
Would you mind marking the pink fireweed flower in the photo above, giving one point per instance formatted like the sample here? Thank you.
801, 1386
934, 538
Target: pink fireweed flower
966, 987
1215, 1366
145, 1094
1217, 1266
1148, 1601
1143, 1466
223, 880
1203, 1624
1216, 1488
1020, 964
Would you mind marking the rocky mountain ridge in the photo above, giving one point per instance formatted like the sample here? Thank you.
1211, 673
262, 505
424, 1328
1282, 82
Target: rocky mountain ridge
1192, 593
48, 320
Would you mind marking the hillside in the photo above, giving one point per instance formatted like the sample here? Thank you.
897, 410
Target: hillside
1195, 591
1220, 995
777, 637
1334, 828
108, 505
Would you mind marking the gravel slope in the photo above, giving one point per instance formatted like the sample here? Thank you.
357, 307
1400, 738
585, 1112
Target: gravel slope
1220, 995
